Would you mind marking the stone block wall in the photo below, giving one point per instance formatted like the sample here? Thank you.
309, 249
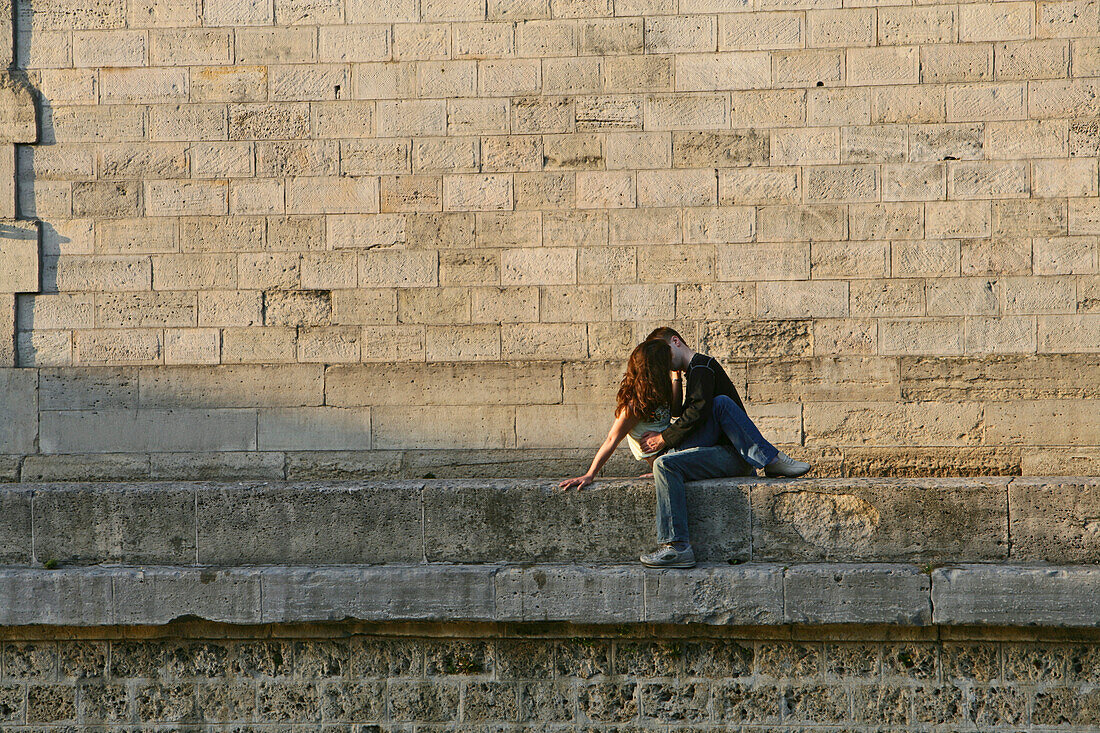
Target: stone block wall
328, 237
348, 677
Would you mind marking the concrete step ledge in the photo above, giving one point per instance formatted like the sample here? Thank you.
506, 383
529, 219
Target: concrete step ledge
1018, 595
748, 594
926, 520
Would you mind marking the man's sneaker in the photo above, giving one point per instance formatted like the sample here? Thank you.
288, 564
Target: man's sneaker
668, 556
784, 465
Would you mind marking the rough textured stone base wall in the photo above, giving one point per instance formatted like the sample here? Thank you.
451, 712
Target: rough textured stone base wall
344, 677
268, 228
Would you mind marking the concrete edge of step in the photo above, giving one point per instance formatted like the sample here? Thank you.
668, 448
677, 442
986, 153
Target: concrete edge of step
748, 594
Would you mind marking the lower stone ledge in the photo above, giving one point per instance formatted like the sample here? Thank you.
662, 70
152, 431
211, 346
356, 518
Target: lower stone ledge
1021, 595
752, 594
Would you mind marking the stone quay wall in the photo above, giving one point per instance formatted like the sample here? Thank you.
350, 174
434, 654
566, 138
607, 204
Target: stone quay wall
858, 606
309, 238
359, 678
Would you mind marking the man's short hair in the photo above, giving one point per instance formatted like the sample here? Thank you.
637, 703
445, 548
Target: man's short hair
665, 334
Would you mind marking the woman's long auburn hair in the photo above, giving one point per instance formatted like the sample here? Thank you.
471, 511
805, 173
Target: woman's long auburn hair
646, 385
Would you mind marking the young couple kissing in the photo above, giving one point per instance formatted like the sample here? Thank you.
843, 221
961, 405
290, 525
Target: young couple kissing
711, 436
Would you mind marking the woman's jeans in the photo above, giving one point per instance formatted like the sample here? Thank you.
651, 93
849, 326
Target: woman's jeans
698, 457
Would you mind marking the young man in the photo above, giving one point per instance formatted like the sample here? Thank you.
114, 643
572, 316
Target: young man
713, 437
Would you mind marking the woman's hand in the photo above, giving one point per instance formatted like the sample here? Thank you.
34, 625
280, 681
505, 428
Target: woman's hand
652, 441
579, 482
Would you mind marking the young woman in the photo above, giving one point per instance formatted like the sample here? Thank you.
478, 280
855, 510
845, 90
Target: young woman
644, 404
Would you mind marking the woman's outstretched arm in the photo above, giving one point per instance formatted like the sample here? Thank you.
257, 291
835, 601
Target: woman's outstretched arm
622, 425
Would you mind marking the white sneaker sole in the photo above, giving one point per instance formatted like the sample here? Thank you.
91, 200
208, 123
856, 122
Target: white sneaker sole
668, 565
769, 474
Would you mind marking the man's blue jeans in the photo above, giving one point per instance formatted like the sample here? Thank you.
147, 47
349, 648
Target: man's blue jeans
698, 457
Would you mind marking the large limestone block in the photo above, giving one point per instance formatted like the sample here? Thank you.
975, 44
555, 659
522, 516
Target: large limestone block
1043, 461
63, 597
310, 523
18, 257
9, 468
1042, 422
570, 593
86, 467
1080, 332
479, 521
97, 523
753, 339
508, 463
17, 111
314, 428
399, 592
901, 424
563, 426
1055, 519
1007, 378
320, 345
18, 411
7, 181
717, 594
7, 330
261, 385
103, 596
910, 520
6, 27
113, 346
342, 465
1016, 595
588, 382
87, 388
99, 273
443, 427
502, 383
136, 431
857, 594
45, 311
545, 340
145, 310
926, 462
453, 463
217, 465
15, 526
833, 378
160, 595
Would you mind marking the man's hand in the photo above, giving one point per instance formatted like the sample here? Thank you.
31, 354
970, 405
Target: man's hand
652, 441
579, 482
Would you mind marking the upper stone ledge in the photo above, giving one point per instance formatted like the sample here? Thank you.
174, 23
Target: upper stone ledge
924, 521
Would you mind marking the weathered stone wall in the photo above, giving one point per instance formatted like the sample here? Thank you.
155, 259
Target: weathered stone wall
480, 679
320, 237
943, 552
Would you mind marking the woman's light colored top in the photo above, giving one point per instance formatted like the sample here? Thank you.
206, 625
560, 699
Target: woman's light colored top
660, 421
